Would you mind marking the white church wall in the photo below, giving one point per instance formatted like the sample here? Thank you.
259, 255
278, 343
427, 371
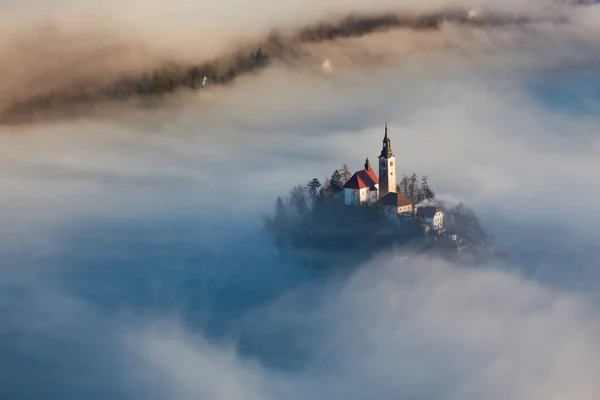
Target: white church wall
354, 197
363, 195
392, 185
373, 196
349, 197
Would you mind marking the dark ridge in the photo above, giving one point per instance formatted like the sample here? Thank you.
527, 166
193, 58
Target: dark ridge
354, 26
172, 77
157, 83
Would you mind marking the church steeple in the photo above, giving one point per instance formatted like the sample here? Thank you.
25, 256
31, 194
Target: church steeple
386, 151
387, 167
367, 164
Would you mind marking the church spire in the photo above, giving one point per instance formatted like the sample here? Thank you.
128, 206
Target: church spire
386, 151
387, 167
367, 164
385, 138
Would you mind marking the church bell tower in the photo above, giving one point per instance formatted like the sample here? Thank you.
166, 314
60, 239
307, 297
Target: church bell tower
387, 167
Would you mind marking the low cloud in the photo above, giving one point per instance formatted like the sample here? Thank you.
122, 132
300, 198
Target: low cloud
147, 221
402, 328
69, 61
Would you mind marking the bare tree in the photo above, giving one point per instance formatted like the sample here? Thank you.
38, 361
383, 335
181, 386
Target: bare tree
346, 174
280, 211
413, 188
403, 186
298, 200
463, 221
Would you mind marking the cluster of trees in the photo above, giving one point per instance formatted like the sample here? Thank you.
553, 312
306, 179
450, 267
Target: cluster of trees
415, 189
304, 201
161, 81
309, 215
338, 178
314, 197
170, 78
462, 220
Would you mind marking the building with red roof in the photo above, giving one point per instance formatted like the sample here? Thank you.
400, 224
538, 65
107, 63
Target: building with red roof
367, 187
396, 203
362, 187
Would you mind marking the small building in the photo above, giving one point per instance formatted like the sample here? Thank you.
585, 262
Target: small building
434, 216
362, 187
395, 203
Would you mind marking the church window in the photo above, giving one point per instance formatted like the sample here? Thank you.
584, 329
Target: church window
383, 163
391, 163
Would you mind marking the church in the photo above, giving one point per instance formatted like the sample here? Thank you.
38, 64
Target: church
367, 187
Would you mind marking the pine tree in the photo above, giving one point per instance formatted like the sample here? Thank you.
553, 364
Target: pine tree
313, 190
261, 59
280, 213
426, 191
195, 77
231, 74
336, 179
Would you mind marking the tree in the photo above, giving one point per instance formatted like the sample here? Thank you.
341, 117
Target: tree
231, 74
337, 179
278, 222
260, 59
313, 189
346, 174
403, 186
463, 221
412, 192
195, 77
298, 199
280, 212
426, 192
210, 71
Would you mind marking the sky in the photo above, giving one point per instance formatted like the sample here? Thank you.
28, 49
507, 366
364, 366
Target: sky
134, 261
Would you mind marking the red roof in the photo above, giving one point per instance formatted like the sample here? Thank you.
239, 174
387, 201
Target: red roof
395, 200
372, 175
362, 179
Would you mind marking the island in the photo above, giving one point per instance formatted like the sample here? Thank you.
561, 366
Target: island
368, 212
